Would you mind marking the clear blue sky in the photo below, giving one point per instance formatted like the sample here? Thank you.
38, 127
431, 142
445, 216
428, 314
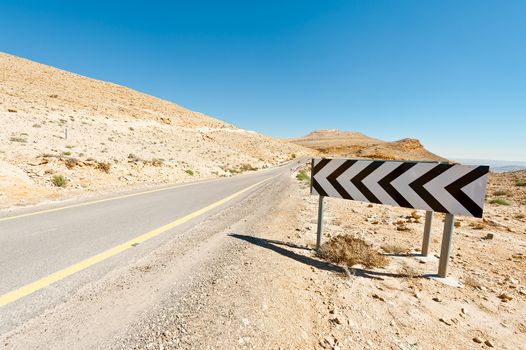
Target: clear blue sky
452, 73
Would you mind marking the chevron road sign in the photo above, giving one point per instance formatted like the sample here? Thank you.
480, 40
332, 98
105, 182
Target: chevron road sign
452, 189
445, 188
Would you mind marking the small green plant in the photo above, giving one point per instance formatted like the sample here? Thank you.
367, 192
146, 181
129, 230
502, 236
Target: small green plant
37, 125
499, 201
66, 153
58, 180
69, 146
189, 172
521, 183
302, 176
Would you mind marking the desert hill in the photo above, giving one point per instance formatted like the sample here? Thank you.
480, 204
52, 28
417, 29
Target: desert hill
116, 137
355, 144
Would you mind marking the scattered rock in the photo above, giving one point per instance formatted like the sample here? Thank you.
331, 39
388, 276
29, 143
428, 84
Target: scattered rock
505, 297
489, 343
444, 321
328, 340
437, 299
376, 296
488, 236
336, 320
415, 215
478, 340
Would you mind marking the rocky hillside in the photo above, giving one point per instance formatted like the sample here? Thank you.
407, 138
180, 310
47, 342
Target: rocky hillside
56, 125
355, 144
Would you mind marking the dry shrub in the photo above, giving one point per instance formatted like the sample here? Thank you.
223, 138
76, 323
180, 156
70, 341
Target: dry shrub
71, 162
477, 225
393, 249
133, 158
103, 166
247, 167
157, 162
471, 282
350, 251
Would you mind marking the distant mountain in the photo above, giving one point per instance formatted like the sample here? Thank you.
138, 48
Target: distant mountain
354, 144
498, 166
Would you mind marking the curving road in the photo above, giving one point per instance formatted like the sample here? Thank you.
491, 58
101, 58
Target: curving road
47, 254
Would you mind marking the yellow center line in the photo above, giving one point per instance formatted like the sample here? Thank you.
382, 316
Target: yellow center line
84, 264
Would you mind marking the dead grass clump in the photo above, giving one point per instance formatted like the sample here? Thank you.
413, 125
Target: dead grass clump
350, 251
471, 282
157, 162
71, 162
18, 139
247, 167
477, 225
133, 158
393, 249
103, 166
501, 193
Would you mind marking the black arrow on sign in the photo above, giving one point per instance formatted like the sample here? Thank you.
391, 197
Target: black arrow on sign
315, 170
418, 187
455, 189
357, 181
332, 178
385, 183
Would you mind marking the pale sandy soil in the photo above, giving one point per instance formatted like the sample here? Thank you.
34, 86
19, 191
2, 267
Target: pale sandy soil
257, 284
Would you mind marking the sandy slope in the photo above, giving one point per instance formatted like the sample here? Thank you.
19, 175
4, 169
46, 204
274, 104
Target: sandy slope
138, 138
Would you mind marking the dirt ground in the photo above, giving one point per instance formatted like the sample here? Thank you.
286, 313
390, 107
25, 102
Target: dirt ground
252, 280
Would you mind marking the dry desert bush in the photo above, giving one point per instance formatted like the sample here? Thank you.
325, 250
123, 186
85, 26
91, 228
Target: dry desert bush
103, 166
350, 251
393, 249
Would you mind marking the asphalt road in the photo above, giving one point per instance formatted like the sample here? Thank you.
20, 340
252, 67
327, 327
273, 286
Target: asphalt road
45, 255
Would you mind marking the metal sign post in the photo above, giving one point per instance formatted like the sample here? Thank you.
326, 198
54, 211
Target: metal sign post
319, 232
449, 225
427, 233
